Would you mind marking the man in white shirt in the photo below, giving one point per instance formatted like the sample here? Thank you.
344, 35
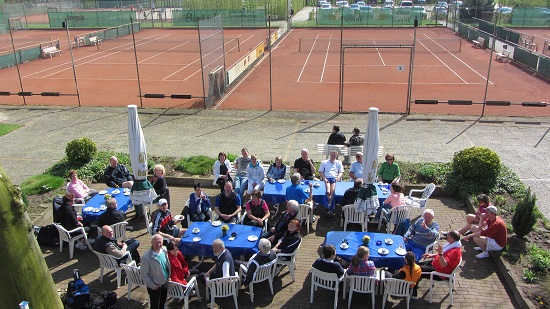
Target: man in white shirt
356, 168
331, 171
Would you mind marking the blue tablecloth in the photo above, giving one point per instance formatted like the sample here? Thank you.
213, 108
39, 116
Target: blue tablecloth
208, 233
276, 192
391, 260
123, 203
342, 186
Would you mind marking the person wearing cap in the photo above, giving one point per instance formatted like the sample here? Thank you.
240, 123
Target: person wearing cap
356, 168
164, 224
490, 235
336, 138
355, 139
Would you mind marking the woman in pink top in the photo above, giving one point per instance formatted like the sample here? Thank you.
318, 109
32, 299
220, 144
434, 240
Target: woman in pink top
78, 188
396, 198
257, 211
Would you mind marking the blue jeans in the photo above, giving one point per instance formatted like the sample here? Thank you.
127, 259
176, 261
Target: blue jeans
240, 184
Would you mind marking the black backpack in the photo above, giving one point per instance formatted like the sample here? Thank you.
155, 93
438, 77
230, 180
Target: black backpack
105, 300
57, 201
78, 292
47, 235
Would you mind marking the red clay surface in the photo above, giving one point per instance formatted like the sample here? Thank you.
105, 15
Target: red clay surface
169, 63
539, 36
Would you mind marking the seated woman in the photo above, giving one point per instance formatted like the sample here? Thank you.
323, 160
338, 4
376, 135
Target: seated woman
290, 240
276, 170
396, 198
482, 204
199, 205
421, 234
360, 264
389, 170
68, 219
78, 188
410, 272
257, 211
179, 270
222, 169
159, 184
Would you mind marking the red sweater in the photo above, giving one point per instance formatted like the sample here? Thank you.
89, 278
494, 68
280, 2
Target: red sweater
497, 231
452, 257
179, 268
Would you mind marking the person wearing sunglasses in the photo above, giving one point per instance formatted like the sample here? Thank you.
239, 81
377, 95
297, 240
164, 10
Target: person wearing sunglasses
389, 170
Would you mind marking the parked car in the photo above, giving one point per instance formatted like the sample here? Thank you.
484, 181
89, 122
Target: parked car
366, 8
342, 4
456, 2
388, 4
326, 6
504, 10
442, 4
361, 3
419, 1
440, 12
421, 10
406, 4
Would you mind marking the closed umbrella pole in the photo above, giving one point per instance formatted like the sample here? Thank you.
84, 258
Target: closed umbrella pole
367, 194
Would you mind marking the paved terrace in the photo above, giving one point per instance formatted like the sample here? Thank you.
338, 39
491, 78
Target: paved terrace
478, 281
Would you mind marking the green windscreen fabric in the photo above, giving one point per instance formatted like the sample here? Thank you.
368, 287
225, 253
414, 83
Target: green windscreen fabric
112, 33
544, 66
372, 16
539, 16
3, 22
526, 57
93, 19
230, 18
23, 55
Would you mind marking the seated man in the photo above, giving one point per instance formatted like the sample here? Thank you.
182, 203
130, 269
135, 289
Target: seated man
111, 215
331, 171
228, 205
327, 263
78, 188
241, 163
336, 138
490, 235
351, 194
105, 244
224, 266
356, 168
117, 175
421, 234
264, 256
304, 166
297, 193
444, 261
163, 223
281, 224
355, 139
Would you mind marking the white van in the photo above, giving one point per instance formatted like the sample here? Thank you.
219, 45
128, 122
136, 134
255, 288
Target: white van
388, 4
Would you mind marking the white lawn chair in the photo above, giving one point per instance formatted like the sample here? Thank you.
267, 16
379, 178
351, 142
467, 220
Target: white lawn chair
223, 287
450, 281
181, 291
64, 236
263, 273
289, 260
349, 215
360, 284
133, 277
431, 247
421, 202
305, 215
396, 215
397, 288
119, 230
329, 281
108, 261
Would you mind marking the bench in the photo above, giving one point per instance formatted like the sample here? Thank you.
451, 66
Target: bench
95, 41
344, 150
478, 43
503, 57
79, 41
50, 51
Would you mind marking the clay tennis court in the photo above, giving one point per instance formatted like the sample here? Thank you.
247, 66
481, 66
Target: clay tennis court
305, 76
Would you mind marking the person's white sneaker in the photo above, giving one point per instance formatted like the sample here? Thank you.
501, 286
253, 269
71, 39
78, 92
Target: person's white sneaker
482, 255
478, 249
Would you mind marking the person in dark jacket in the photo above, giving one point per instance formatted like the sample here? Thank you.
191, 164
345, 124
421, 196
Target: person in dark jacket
280, 226
111, 215
199, 205
355, 139
105, 244
351, 194
290, 240
263, 257
336, 138
159, 184
224, 266
68, 219
327, 263
117, 175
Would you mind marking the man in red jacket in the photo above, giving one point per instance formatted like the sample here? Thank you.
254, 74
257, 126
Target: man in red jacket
490, 235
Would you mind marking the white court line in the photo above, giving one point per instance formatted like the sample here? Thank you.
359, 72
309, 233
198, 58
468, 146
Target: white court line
379, 54
156, 55
445, 64
392, 83
305, 63
326, 57
469, 67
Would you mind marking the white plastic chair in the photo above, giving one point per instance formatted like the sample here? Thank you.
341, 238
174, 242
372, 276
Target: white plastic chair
223, 287
329, 281
431, 247
396, 216
133, 277
108, 261
289, 260
181, 291
305, 214
263, 273
421, 202
450, 281
360, 284
119, 230
397, 288
349, 215
64, 236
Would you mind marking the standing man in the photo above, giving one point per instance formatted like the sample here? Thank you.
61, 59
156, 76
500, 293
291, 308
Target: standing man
155, 271
241, 181
117, 175
331, 171
111, 215
356, 168
228, 205
490, 235
304, 166
336, 138
355, 139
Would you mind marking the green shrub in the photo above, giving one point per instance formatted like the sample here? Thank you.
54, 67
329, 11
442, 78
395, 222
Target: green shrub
541, 264
529, 275
231, 157
479, 164
508, 181
41, 183
196, 165
499, 201
524, 214
80, 151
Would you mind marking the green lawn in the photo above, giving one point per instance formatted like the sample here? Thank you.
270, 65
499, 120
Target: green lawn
6, 128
